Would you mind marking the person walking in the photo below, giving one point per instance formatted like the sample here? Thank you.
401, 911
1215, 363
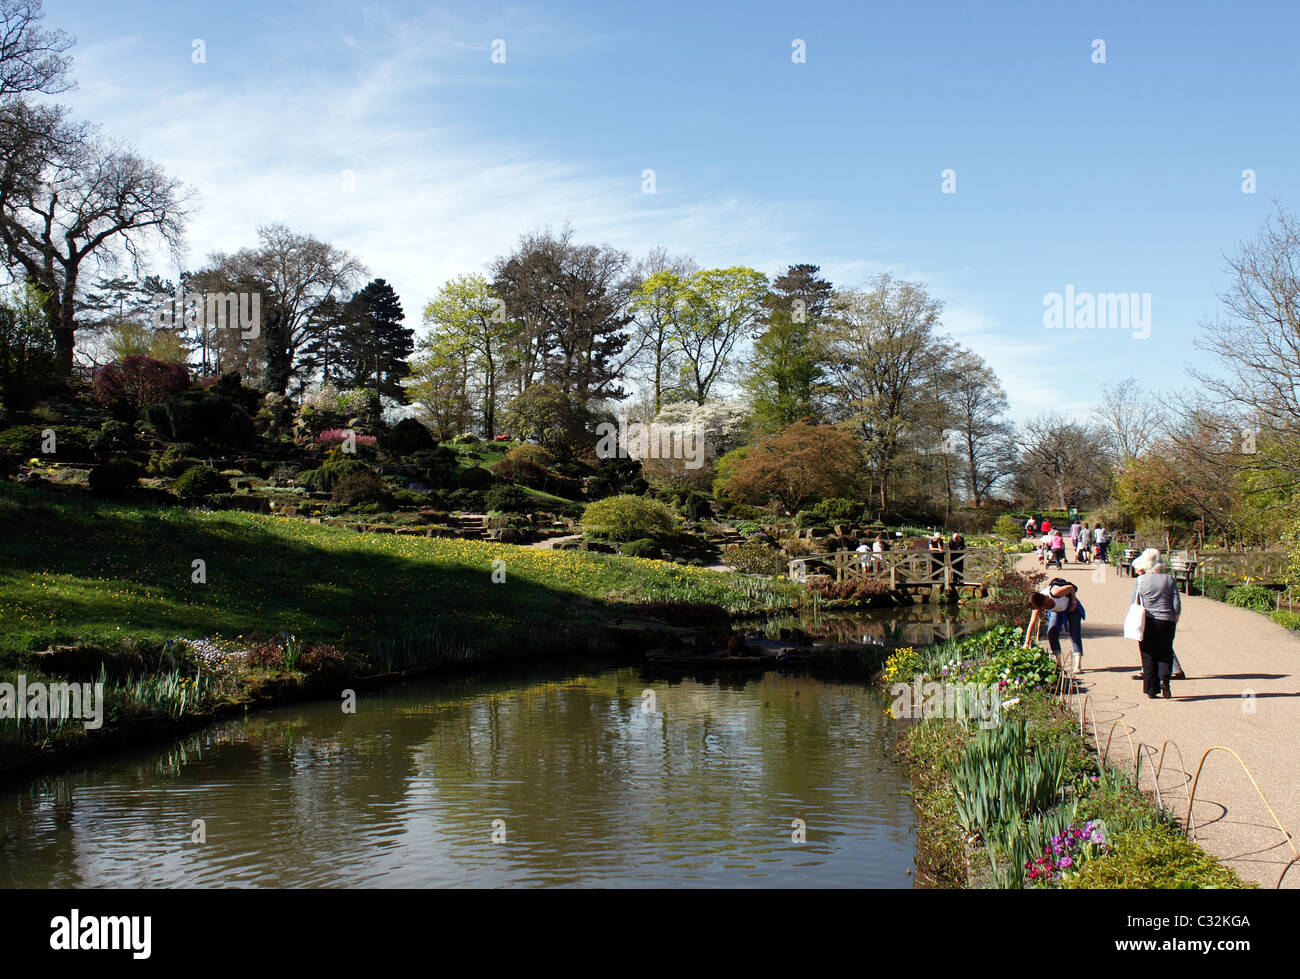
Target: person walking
1060, 601
1074, 536
1057, 545
1157, 593
1100, 543
1083, 552
1031, 527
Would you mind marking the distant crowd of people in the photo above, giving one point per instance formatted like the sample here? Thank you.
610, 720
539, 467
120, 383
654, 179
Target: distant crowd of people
1090, 544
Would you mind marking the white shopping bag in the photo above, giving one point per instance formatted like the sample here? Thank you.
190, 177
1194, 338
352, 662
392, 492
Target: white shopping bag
1135, 622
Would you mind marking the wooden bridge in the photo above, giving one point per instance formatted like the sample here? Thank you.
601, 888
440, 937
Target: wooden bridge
904, 570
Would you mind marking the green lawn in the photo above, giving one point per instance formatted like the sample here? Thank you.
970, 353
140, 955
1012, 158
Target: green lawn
76, 569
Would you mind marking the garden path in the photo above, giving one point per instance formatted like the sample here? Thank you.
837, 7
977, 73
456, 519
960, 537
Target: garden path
1242, 691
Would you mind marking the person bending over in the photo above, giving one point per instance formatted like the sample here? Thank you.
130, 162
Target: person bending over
1060, 601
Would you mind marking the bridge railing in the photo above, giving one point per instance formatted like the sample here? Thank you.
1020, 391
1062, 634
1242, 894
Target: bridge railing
903, 568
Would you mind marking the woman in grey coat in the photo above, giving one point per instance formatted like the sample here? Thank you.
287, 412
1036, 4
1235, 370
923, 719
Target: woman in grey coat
1157, 593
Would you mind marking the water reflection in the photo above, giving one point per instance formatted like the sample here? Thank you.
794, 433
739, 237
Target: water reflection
915, 625
590, 786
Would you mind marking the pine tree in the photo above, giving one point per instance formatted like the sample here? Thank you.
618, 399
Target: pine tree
373, 344
785, 370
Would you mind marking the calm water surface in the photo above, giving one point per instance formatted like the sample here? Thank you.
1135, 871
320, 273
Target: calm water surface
590, 788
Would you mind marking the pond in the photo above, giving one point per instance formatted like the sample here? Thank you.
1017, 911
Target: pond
565, 776
913, 625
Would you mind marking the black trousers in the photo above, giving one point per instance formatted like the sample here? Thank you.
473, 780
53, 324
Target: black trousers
1157, 648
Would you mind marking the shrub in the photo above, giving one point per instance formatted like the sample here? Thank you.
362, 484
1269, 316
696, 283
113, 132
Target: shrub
466, 500
1009, 528
23, 440
521, 471
360, 403
359, 487
466, 438
407, 437
175, 459
854, 590
642, 548
112, 435
71, 442
329, 475
504, 498
755, 558
696, 506
435, 467
530, 453
626, 518
265, 656
1009, 592
475, 478
614, 476
128, 386
332, 437
1215, 587
209, 418
839, 510
199, 482
1254, 597
113, 478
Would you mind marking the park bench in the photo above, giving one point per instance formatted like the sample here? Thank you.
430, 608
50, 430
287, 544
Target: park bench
1126, 560
1183, 569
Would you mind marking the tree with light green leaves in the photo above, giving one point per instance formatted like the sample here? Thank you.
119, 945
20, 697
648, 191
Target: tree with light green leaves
468, 319
713, 310
438, 387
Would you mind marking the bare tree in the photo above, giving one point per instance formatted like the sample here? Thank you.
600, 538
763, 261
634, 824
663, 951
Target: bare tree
978, 409
297, 274
1258, 346
31, 59
75, 197
1130, 416
880, 342
1060, 463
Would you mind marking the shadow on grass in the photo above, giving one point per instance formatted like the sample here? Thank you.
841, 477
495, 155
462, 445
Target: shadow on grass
81, 568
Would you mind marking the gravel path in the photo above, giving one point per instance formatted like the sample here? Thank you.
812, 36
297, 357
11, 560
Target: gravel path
1241, 691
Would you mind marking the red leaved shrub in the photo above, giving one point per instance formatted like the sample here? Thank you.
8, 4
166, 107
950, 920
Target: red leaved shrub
131, 385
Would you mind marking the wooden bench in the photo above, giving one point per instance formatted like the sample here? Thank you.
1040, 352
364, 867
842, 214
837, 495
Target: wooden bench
1183, 570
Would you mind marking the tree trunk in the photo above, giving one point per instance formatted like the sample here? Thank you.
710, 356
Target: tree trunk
65, 330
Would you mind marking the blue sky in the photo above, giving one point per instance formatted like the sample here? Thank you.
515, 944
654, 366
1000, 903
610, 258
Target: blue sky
1122, 176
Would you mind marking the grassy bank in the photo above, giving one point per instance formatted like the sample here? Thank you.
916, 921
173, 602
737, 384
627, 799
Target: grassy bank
1027, 802
279, 607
